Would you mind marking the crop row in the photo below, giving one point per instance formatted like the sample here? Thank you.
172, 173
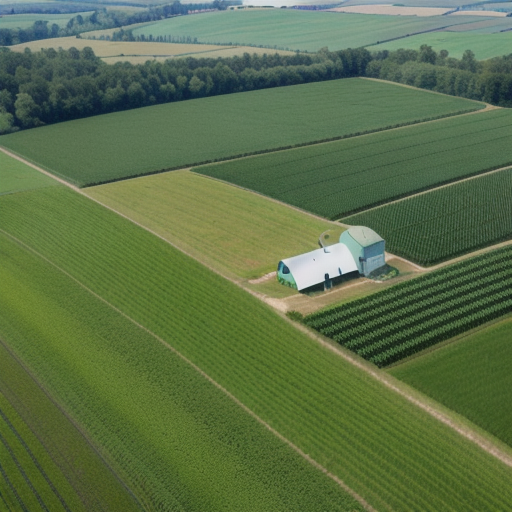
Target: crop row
446, 222
336, 179
399, 321
383, 447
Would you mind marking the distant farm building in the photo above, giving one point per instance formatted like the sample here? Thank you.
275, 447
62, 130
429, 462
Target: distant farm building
359, 249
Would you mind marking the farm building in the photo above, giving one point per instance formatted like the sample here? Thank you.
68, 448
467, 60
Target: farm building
359, 249
366, 246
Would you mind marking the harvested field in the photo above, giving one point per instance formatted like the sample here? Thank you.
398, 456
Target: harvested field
471, 376
492, 14
136, 142
386, 448
392, 10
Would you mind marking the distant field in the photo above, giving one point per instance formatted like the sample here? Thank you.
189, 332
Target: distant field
17, 176
178, 442
484, 46
345, 176
384, 447
27, 20
138, 53
294, 29
417, 314
471, 376
130, 143
447, 222
50, 465
233, 230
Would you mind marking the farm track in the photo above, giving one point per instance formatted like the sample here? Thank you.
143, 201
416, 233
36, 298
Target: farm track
333, 477
277, 304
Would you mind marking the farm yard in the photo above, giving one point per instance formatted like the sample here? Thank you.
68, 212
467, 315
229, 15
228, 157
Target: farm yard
446, 222
150, 358
110, 147
240, 343
412, 316
234, 231
345, 176
471, 376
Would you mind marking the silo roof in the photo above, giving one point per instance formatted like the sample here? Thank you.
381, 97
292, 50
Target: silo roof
364, 236
310, 268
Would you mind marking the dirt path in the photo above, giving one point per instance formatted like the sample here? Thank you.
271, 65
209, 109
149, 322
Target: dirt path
379, 375
340, 482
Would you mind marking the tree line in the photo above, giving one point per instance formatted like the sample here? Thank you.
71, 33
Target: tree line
51, 86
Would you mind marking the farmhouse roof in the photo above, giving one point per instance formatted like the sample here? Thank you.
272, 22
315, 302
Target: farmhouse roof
364, 236
310, 268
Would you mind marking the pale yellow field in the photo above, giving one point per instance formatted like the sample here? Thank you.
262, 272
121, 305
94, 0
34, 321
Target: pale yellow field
138, 53
237, 233
480, 13
392, 10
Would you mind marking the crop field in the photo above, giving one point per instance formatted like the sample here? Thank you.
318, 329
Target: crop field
47, 463
407, 318
471, 376
199, 452
17, 176
484, 46
13, 21
385, 448
139, 52
294, 29
345, 176
446, 222
135, 142
232, 230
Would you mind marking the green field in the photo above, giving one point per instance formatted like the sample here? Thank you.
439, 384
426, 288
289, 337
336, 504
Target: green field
484, 46
234, 231
48, 463
297, 30
123, 144
385, 448
446, 222
13, 21
17, 176
349, 175
417, 314
177, 441
471, 376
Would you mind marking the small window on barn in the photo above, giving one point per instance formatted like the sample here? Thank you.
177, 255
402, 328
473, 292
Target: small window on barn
285, 270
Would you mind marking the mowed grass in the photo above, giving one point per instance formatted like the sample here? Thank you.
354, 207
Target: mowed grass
388, 450
345, 176
17, 176
177, 441
484, 46
294, 29
232, 230
126, 144
446, 222
471, 376
47, 462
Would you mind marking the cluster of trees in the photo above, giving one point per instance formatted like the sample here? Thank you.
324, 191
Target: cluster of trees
489, 81
101, 19
51, 86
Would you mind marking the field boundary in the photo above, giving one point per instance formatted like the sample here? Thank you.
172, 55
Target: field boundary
304, 455
381, 377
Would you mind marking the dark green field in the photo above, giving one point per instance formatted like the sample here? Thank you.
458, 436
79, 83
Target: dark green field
345, 176
446, 222
417, 314
141, 141
471, 376
385, 448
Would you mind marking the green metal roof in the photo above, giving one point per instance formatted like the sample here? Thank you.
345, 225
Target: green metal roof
364, 236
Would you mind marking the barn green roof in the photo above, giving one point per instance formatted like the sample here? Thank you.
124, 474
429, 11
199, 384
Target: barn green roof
364, 236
